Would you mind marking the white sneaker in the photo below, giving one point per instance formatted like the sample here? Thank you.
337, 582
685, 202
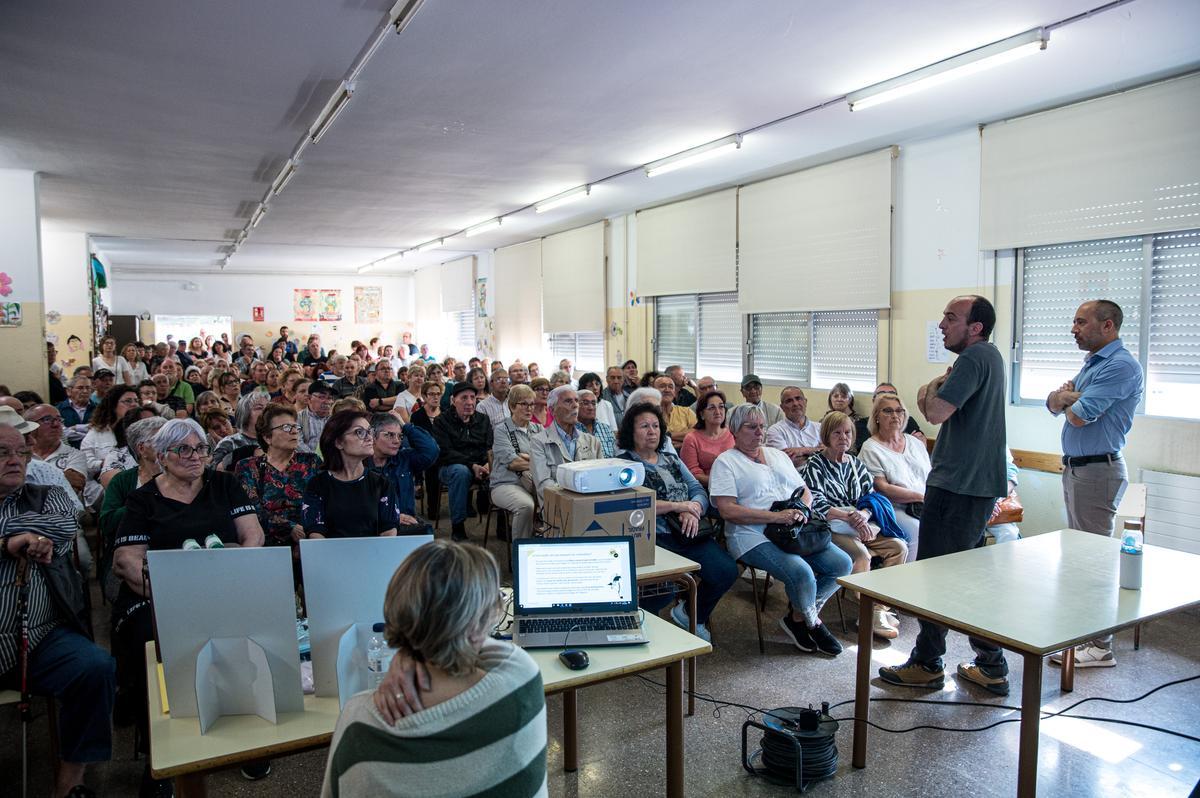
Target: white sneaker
680, 617
881, 626
1088, 656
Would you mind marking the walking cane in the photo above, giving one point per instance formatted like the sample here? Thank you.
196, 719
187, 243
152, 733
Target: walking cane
24, 706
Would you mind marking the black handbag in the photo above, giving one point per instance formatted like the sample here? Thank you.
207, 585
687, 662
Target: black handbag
803, 539
655, 482
914, 509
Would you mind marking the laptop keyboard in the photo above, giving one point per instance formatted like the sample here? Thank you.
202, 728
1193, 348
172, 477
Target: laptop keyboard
533, 626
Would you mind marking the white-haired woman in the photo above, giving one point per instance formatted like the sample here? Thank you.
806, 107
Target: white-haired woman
744, 482
245, 440
439, 608
186, 501
899, 464
138, 438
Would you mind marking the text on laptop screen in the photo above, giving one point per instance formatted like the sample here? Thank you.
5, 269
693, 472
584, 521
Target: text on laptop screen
568, 575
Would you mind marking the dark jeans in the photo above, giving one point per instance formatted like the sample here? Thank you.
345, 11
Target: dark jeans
80, 675
953, 522
718, 572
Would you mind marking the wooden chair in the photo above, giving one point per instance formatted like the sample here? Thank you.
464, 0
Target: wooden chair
1133, 506
487, 526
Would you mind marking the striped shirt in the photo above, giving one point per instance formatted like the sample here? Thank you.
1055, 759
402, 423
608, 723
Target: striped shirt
606, 436
57, 522
488, 740
836, 484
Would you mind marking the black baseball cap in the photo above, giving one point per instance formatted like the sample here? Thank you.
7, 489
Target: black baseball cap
462, 387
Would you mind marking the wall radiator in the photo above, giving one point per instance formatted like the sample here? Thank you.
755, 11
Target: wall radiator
1172, 510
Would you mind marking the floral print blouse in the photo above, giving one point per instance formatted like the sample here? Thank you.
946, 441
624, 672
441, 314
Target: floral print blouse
278, 494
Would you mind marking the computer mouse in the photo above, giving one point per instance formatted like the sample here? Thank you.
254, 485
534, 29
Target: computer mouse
574, 658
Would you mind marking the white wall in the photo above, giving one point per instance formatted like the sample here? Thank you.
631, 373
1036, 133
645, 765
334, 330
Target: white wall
65, 271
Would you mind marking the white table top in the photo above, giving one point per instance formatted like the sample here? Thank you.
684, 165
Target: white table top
1040, 594
666, 564
177, 747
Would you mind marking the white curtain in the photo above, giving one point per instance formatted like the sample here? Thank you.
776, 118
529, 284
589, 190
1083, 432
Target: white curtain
573, 295
518, 291
458, 284
688, 247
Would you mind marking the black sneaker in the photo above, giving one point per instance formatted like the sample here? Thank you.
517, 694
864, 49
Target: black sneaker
826, 642
155, 788
458, 533
253, 771
798, 633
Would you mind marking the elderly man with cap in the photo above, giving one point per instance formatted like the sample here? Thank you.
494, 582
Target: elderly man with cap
39, 472
312, 418
37, 528
562, 441
102, 380
464, 437
752, 393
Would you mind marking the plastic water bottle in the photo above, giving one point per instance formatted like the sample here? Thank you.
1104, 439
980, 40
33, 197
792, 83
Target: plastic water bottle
213, 542
375, 657
191, 545
1131, 556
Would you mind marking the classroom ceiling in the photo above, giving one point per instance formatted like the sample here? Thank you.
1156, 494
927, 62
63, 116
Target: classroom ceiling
157, 127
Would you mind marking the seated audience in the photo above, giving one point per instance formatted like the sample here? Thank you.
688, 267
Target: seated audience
797, 435
36, 471
481, 705
561, 441
120, 458
132, 353
77, 410
558, 378
205, 401
511, 479
840, 486
1004, 531
379, 395
629, 374
27, 399
276, 480
899, 464
402, 451
535, 371
541, 393
229, 387
412, 395
216, 425
175, 386
303, 385
244, 442
590, 381
495, 404
614, 393
464, 439
588, 405
345, 499
745, 481
752, 394
683, 396
680, 505
680, 420
39, 528
704, 444
351, 381
102, 437
313, 417
841, 400
427, 411
518, 374
138, 438
48, 446
912, 428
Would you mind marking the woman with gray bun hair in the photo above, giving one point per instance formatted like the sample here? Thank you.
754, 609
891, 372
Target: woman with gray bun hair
249, 408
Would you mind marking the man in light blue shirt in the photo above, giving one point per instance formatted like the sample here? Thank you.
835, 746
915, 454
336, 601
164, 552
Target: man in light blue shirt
1099, 405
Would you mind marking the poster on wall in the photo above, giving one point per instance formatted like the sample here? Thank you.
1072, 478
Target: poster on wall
330, 308
258, 313
481, 297
304, 301
368, 304
10, 314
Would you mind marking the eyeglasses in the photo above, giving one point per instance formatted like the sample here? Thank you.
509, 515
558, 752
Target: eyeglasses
543, 389
185, 452
20, 454
362, 433
393, 435
893, 411
587, 402
286, 427
524, 404
48, 420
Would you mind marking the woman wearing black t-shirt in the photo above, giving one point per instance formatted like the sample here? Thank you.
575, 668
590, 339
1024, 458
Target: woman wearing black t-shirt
345, 500
186, 501
425, 412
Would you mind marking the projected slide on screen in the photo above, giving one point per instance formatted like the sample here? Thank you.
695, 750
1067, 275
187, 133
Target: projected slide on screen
557, 575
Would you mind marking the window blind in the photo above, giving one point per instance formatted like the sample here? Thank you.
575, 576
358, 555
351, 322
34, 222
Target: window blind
689, 246
573, 295
1056, 280
675, 332
589, 352
1173, 350
458, 285
1126, 164
428, 285
719, 347
780, 345
818, 239
518, 292
845, 347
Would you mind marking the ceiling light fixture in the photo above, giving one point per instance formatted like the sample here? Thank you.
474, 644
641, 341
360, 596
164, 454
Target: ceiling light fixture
337, 103
259, 213
365, 269
285, 176
557, 200
428, 245
968, 63
402, 13
694, 155
482, 227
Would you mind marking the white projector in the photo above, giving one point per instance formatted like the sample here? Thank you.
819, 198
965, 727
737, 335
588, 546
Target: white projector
597, 476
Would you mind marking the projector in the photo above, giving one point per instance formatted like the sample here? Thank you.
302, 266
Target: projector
597, 476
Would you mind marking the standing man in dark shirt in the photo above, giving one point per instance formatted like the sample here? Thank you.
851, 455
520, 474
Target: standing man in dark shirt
465, 440
968, 476
350, 383
379, 394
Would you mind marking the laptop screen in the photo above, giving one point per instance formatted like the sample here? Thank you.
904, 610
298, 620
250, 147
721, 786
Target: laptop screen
558, 575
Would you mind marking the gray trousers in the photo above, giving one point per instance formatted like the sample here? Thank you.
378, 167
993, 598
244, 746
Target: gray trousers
519, 502
1092, 493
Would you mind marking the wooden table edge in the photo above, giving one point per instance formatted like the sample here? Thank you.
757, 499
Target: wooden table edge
647, 665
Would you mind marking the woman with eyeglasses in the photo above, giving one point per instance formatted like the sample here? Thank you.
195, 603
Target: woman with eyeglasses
511, 483
541, 395
102, 437
230, 387
277, 479
346, 500
704, 444
899, 464
187, 501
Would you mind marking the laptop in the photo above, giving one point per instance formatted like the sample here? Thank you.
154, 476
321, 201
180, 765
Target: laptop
575, 592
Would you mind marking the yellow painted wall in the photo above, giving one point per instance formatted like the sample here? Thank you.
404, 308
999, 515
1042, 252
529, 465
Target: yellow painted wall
24, 366
64, 329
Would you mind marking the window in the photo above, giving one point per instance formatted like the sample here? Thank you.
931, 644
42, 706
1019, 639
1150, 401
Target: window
460, 328
816, 349
585, 350
1156, 281
700, 332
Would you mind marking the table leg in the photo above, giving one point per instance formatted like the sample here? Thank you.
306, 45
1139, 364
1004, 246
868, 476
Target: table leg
570, 731
1068, 670
690, 582
190, 786
1031, 716
862, 684
675, 730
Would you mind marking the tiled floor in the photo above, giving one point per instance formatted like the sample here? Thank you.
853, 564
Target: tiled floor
622, 741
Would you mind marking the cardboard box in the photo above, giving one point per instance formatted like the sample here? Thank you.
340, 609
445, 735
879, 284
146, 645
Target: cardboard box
618, 512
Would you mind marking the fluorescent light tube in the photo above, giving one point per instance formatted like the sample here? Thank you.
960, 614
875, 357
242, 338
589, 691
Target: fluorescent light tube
337, 103
259, 213
402, 13
285, 176
562, 199
428, 245
694, 155
958, 66
365, 269
482, 227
